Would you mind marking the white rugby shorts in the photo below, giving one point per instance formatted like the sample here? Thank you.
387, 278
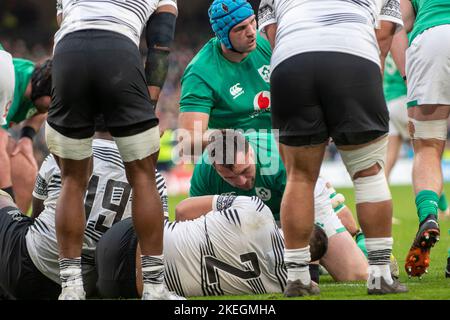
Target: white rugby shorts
428, 67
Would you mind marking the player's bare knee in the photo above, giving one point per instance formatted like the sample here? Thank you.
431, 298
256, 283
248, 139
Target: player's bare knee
357, 274
366, 167
371, 171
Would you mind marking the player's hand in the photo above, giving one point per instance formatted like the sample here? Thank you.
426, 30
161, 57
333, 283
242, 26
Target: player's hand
25, 146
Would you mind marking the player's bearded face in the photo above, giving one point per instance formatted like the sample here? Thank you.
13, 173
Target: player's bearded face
243, 35
241, 175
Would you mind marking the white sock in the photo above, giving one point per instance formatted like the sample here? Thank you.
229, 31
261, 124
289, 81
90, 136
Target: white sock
379, 253
296, 261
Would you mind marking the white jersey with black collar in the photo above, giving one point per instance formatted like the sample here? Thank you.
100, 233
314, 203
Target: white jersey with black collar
345, 26
127, 17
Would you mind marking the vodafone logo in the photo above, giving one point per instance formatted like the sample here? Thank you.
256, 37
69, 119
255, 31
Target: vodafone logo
262, 101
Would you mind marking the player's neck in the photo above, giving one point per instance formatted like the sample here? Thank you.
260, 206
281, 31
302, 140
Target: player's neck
233, 56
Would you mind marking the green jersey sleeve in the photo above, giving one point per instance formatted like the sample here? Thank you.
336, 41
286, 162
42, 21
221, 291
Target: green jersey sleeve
196, 94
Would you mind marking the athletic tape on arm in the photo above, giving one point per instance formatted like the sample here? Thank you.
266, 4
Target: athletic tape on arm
160, 31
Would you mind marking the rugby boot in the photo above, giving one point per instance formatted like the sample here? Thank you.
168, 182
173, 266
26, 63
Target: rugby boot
393, 267
72, 293
418, 258
380, 286
298, 289
159, 293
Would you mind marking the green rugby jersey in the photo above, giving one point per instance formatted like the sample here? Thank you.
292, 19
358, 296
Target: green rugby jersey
1, 47
270, 179
236, 95
393, 83
429, 13
21, 108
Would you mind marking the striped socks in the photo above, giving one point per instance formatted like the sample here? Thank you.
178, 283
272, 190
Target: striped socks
153, 270
379, 253
296, 261
70, 272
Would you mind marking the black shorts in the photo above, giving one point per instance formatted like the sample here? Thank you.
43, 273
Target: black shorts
317, 95
116, 265
99, 72
18, 275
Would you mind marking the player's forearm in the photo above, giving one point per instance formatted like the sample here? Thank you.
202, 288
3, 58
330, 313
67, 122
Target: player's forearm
408, 14
192, 208
35, 121
160, 31
398, 50
38, 206
192, 136
385, 35
271, 31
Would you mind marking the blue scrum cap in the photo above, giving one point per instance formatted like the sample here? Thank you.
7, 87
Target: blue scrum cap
225, 14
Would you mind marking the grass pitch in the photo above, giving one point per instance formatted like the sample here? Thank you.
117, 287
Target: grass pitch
433, 286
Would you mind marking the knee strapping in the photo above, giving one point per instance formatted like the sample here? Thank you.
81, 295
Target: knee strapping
138, 146
372, 188
65, 147
429, 129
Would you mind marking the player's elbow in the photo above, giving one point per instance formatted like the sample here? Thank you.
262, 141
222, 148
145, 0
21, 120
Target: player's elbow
182, 212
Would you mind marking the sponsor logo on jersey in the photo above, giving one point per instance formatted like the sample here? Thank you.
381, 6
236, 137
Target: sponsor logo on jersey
264, 72
263, 193
236, 90
262, 101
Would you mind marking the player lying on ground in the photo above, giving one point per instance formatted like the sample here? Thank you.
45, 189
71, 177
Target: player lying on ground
29, 266
250, 165
234, 247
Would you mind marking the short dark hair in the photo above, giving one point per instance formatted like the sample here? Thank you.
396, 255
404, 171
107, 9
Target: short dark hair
41, 80
224, 141
318, 243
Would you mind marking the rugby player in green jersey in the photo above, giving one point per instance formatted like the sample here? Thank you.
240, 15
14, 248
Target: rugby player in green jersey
226, 85
27, 89
428, 99
231, 165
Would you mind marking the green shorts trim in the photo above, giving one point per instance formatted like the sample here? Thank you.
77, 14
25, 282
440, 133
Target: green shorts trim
340, 230
413, 103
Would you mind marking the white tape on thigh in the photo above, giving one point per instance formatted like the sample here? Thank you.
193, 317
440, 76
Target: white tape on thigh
430, 129
65, 147
365, 157
138, 146
372, 189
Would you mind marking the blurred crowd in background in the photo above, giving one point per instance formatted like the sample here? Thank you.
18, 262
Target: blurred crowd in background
27, 28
